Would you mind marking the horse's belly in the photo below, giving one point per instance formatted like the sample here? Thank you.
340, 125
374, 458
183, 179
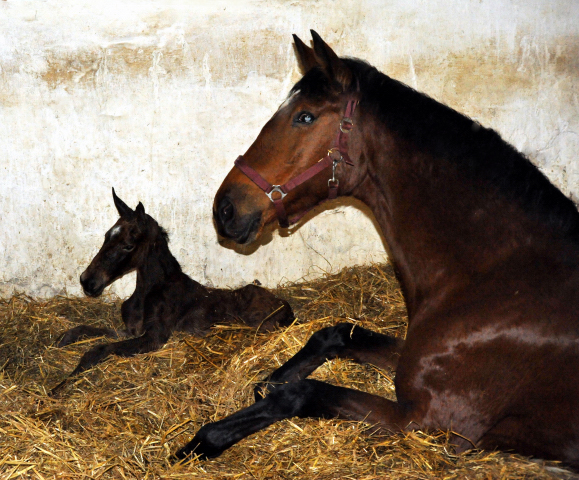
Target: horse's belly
529, 389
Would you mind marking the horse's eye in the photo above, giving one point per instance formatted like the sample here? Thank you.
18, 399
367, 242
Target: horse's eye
305, 117
128, 248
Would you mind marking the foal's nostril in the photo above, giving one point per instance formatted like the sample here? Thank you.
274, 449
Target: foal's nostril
226, 210
88, 285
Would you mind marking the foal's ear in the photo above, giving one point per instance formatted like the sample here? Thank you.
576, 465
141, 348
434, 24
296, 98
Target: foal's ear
306, 57
141, 217
140, 210
331, 63
124, 210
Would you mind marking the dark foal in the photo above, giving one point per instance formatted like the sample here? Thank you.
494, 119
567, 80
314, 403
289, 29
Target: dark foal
487, 251
165, 299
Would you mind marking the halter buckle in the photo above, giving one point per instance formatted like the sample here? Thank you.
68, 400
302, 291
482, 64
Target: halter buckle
276, 188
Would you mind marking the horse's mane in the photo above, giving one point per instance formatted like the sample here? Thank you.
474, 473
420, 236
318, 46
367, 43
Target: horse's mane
480, 153
167, 259
163, 234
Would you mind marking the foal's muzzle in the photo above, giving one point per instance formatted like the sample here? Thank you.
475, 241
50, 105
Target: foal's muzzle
91, 285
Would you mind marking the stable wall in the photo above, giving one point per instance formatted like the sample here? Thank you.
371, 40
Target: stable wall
157, 98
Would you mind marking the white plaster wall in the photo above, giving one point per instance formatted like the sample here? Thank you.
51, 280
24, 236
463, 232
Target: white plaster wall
157, 98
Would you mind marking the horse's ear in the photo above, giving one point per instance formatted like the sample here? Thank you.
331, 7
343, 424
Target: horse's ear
140, 209
124, 210
334, 67
140, 212
306, 57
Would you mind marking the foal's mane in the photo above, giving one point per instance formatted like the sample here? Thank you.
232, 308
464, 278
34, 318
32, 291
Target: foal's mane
163, 234
152, 225
161, 241
438, 130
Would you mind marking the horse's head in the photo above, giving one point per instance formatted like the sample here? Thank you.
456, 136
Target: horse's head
122, 251
278, 177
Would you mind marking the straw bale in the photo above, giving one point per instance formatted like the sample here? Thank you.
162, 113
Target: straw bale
123, 418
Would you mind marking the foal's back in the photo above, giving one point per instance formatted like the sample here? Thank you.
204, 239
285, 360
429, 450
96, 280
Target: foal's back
250, 305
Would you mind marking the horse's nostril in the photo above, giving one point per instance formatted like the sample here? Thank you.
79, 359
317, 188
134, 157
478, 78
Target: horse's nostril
89, 285
226, 210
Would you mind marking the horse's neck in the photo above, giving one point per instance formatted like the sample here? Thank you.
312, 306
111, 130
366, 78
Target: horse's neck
441, 229
158, 267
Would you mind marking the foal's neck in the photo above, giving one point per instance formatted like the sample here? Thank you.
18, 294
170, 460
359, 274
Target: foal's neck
159, 266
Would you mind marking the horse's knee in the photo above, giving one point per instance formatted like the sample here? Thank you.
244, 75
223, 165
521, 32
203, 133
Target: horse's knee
330, 336
359, 344
329, 341
303, 399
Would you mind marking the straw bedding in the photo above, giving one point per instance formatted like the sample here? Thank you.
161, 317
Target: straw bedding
122, 419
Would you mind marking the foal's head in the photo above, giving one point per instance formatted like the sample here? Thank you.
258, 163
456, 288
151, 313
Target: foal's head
299, 134
123, 250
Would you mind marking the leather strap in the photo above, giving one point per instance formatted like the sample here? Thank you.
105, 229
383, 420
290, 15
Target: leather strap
341, 146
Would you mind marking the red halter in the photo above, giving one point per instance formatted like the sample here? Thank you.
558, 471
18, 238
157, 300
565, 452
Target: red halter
335, 155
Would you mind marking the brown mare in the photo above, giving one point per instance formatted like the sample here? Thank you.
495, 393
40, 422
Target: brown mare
487, 251
165, 299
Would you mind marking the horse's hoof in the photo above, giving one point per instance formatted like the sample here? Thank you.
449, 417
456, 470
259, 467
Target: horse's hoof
69, 337
64, 341
55, 392
195, 449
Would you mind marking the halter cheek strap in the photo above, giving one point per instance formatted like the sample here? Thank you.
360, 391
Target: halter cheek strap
338, 153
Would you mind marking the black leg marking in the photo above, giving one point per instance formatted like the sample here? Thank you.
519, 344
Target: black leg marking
344, 340
304, 399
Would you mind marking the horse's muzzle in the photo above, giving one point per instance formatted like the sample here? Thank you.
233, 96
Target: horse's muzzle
91, 286
230, 225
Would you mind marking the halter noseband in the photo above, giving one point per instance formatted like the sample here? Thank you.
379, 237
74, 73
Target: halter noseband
335, 155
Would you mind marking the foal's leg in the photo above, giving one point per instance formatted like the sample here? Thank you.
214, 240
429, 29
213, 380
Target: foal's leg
74, 334
344, 340
151, 340
305, 398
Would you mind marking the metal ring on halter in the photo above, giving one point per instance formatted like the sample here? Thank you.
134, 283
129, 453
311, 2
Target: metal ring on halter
334, 181
346, 121
331, 151
276, 188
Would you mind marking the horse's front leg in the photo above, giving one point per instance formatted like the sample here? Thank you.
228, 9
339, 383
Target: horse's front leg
306, 398
344, 340
87, 331
151, 340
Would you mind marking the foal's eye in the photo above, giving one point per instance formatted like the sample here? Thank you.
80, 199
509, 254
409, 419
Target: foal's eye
305, 117
128, 248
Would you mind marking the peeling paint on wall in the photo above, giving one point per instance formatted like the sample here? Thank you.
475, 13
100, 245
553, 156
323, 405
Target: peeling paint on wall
158, 98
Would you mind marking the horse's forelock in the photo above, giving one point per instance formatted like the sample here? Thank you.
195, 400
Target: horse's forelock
317, 84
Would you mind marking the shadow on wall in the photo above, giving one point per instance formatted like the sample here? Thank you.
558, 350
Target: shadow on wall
267, 235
